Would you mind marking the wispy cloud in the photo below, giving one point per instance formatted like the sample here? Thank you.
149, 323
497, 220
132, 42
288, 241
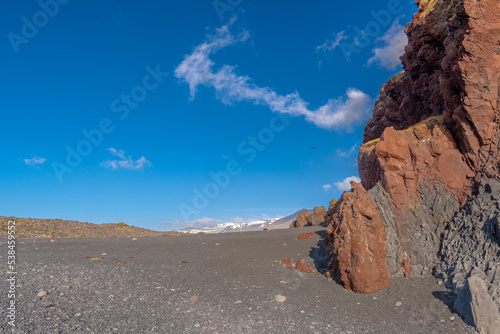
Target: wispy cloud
35, 161
198, 69
348, 153
327, 187
125, 162
331, 44
345, 185
394, 42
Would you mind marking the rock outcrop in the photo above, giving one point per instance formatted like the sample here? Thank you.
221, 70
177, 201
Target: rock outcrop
435, 127
470, 245
357, 241
477, 308
307, 218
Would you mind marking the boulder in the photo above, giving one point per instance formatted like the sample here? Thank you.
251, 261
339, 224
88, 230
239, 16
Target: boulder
306, 218
477, 308
356, 239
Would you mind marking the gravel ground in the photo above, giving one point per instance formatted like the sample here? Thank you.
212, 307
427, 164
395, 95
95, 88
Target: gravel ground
230, 283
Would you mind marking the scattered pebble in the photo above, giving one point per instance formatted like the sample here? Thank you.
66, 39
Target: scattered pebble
283, 282
194, 299
238, 302
42, 293
217, 244
78, 315
452, 318
398, 304
280, 298
374, 298
103, 254
440, 282
134, 238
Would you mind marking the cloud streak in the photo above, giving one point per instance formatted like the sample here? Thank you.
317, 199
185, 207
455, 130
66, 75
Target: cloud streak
125, 162
332, 44
394, 42
35, 161
197, 69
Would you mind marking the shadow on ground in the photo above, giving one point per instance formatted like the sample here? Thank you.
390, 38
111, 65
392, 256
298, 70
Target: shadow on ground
318, 254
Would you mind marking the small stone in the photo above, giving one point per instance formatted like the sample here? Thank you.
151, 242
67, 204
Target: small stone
194, 299
302, 311
452, 318
440, 282
303, 266
197, 325
217, 244
238, 302
103, 254
398, 304
283, 282
78, 315
42, 294
280, 298
374, 298
134, 238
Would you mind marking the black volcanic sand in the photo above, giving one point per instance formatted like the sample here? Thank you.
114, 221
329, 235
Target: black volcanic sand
234, 277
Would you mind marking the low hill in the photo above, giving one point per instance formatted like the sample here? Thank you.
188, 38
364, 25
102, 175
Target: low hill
58, 228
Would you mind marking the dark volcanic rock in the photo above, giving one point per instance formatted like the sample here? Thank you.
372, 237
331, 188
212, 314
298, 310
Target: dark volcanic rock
470, 244
476, 306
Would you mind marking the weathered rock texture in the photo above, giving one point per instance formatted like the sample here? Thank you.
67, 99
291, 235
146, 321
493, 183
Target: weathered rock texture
476, 306
435, 127
470, 245
307, 218
357, 242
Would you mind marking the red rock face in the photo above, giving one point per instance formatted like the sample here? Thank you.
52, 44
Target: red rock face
357, 241
451, 84
403, 160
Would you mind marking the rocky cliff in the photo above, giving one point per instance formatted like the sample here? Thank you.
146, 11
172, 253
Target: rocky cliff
433, 139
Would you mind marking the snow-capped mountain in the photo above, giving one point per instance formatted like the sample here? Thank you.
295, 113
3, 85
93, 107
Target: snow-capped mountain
258, 225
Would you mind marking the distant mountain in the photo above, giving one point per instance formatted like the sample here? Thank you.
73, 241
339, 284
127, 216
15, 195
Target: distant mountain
258, 225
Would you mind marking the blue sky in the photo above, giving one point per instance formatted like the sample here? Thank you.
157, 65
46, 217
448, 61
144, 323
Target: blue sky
167, 114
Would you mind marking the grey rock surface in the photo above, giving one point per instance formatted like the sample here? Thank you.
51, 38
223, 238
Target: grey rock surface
423, 226
420, 233
477, 307
384, 208
470, 243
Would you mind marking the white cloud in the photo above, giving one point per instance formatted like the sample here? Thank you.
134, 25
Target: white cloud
345, 185
394, 42
126, 162
347, 154
36, 160
327, 186
198, 69
331, 44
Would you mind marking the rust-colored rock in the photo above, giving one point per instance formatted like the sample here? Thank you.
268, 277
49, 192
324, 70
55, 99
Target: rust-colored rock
306, 235
357, 241
303, 266
288, 263
305, 218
